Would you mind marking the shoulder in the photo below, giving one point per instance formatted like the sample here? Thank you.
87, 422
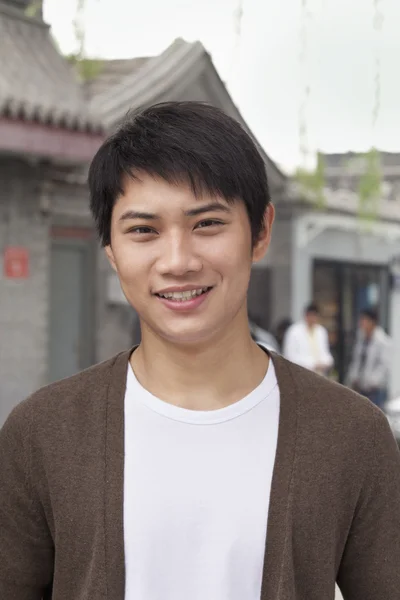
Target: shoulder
73, 395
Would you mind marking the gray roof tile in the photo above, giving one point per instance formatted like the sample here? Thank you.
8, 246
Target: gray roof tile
36, 82
111, 73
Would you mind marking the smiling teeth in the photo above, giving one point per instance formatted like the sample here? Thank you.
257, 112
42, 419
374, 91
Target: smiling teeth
180, 296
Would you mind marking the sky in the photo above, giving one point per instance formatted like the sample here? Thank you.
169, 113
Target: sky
283, 48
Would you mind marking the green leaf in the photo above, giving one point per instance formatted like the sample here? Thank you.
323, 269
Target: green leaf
370, 185
33, 9
87, 68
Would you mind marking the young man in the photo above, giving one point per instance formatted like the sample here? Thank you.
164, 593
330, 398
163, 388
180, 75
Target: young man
306, 343
196, 466
369, 371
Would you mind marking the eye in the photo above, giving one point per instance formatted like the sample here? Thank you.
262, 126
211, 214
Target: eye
141, 230
208, 223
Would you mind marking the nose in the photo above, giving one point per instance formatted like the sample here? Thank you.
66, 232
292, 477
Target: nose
177, 257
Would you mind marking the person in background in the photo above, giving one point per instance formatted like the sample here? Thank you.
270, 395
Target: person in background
370, 366
306, 343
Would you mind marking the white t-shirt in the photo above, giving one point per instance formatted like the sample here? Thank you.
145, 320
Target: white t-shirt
196, 495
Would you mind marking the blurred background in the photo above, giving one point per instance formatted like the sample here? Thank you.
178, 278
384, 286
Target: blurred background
316, 84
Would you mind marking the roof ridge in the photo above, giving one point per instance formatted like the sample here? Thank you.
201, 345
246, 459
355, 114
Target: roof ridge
166, 59
151, 60
114, 60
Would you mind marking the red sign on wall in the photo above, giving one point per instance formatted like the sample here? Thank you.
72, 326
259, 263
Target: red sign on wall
16, 262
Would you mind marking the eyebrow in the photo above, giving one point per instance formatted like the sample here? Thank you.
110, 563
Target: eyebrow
193, 212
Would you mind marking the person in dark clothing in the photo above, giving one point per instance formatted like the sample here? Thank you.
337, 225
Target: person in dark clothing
370, 366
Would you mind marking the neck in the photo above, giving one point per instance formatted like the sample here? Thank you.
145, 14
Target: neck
204, 376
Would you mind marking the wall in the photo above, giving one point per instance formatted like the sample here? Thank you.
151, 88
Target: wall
23, 303
278, 260
259, 297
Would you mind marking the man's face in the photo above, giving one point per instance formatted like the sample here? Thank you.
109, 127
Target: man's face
183, 261
367, 325
312, 318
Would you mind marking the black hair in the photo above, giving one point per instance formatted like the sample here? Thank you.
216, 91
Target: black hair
180, 142
312, 308
371, 314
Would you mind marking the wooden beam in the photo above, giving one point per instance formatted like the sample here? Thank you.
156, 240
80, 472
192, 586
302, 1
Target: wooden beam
46, 141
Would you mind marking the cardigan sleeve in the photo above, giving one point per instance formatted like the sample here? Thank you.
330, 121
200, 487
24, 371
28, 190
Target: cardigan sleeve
370, 565
26, 549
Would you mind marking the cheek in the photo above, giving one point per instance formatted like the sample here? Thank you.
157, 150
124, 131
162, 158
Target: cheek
130, 259
230, 253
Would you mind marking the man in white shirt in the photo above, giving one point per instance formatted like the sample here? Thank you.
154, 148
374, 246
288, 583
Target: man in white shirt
306, 343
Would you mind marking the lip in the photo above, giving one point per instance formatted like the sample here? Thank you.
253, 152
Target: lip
185, 305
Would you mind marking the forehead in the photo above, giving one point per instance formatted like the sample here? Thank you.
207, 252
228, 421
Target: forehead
157, 195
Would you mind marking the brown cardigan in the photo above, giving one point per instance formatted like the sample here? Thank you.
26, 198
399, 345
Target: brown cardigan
335, 498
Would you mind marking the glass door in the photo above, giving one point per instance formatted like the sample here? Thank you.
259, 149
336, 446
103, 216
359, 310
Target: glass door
342, 291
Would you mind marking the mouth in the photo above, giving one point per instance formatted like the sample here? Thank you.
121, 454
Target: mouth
185, 301
184, 296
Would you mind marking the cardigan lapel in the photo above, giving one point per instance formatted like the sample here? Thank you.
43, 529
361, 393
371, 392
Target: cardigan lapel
114, 480
280, 499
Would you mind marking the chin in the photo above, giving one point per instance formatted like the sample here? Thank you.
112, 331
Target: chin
189, 336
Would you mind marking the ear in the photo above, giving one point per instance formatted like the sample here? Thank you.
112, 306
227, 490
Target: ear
110, 256
262, 244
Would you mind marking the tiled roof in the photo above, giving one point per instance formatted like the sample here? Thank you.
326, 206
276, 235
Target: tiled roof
36, 82
111, 73
166, 77
146, 84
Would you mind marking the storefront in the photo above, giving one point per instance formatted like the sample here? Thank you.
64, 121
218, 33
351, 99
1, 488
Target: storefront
342, 290
343, 264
